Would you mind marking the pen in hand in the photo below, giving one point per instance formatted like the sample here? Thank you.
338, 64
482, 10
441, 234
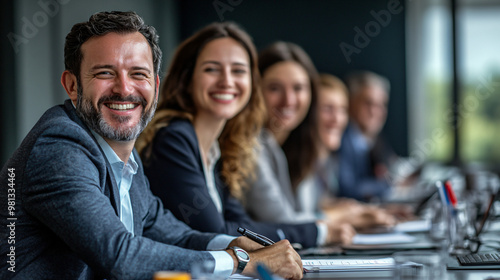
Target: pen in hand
261, 239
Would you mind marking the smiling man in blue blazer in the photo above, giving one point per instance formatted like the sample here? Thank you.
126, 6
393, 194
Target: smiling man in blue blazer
76, 204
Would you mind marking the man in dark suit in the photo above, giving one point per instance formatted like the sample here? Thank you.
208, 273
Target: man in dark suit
77, 204
364, 156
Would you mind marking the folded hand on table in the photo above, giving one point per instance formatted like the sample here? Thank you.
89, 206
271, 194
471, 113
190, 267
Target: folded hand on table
342, 233
359, 215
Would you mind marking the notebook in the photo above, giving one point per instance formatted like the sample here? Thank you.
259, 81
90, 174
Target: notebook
318, 265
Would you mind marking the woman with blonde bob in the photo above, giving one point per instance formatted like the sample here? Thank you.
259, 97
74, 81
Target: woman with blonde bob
332, 117
210, 98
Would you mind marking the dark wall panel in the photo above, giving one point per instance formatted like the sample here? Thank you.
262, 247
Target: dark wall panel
372, 33
8, 120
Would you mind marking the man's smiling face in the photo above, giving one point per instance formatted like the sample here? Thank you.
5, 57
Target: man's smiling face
117, 89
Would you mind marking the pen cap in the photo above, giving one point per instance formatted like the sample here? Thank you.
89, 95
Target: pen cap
450, 193
263, 272
171, 275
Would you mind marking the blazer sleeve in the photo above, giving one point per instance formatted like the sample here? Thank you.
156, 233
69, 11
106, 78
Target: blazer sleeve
161, 225
268, 197
176, 176
235, 216
64, 191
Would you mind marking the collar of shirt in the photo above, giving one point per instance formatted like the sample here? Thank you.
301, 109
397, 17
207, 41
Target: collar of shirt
119, 168
213, 156
360, 142
112, 157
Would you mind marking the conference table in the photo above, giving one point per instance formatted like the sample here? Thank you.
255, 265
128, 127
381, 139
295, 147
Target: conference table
450, 274
423, 242
453, 272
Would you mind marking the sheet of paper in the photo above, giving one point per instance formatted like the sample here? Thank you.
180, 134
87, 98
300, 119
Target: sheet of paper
383, 238
241, 277
347, 264
413, 226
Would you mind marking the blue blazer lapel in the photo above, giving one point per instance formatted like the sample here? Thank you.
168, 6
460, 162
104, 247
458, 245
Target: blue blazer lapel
139, 198
111, 189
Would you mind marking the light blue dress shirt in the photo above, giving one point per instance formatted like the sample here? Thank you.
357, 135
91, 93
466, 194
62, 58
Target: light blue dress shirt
213, 156
124, 173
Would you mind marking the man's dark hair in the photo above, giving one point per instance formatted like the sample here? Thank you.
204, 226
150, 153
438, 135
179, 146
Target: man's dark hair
100, 24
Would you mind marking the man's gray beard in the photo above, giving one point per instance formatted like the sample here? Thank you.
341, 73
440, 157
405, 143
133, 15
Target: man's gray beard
95, 121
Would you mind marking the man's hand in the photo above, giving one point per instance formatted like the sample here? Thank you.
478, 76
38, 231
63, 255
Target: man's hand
402, 212
280, 258
379, 217
246, 244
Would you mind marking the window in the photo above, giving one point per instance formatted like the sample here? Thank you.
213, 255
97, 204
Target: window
479, 108
429, 43
429, 80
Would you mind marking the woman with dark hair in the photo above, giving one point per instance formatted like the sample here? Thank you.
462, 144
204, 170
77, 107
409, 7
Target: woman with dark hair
290, 145
211, 98
289, 142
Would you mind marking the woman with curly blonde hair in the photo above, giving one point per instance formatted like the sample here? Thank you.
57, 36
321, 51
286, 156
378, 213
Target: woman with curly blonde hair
210, 98
237, 136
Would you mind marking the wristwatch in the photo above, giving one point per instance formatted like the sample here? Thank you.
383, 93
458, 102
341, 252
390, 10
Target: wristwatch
242, 256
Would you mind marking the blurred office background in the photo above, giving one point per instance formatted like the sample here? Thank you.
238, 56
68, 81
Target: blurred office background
445, 96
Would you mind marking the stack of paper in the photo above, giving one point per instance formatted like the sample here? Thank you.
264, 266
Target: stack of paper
347, 264
413, 226
385, 238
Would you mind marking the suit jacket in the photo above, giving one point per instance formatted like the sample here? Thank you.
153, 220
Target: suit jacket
176, 174
356, 176
67, 210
